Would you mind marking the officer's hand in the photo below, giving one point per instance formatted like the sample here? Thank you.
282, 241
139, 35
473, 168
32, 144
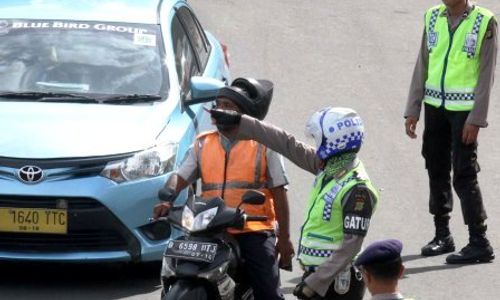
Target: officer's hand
225, 117
284, 248
302, 291
411, 127
469, 134
161, 209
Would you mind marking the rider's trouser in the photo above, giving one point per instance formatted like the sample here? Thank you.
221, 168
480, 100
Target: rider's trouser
261, 266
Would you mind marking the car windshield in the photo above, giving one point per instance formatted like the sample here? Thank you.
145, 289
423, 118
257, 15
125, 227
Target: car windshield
94, 58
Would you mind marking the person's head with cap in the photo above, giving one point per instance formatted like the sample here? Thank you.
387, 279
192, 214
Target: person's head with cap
246, 95
381, 265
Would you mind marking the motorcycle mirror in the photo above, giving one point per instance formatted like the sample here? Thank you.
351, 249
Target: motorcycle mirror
253, 197
203, 90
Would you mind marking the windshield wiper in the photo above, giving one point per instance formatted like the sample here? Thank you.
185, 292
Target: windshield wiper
48, 96
132, 98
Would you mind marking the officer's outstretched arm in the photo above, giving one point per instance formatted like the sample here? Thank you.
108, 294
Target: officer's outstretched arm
281, 141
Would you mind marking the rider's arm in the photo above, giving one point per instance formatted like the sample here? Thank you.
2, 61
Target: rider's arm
189, 170
177, 182
358, 203
279, 140
187, 173
277, 182
282, 212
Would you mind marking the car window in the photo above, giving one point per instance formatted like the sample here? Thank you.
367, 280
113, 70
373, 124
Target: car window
203, 35
185, 60
81, 56
197, 36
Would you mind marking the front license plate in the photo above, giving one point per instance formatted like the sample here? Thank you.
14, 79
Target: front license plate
191, 250
34, 220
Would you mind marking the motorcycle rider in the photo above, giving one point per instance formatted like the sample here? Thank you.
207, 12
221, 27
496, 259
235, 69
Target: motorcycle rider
227, 169
341, 202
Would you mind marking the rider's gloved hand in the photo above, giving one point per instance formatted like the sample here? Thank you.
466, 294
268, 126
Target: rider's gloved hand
167, 194
225, 117
302, 291
167, 197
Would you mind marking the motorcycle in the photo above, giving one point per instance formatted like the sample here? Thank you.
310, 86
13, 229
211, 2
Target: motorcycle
205, 263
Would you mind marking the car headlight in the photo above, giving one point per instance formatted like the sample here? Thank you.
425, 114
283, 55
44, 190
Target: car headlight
198, 223
152, 162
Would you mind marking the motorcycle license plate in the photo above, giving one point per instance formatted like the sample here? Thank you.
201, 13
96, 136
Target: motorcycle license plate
34, 220
191, 250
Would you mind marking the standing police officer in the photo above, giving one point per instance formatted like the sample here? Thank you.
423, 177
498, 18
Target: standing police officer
453, 77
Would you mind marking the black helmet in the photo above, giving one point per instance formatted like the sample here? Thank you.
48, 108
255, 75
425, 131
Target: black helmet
252, 96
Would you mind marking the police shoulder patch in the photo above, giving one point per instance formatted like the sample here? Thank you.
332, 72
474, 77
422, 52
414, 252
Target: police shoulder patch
359, 203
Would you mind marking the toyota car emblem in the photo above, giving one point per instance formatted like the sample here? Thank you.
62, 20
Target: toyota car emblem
30, 174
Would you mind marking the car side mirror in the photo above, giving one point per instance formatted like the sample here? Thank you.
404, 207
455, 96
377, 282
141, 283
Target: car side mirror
253, 197
203, 89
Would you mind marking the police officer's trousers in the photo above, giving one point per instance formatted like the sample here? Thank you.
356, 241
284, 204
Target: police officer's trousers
443, 150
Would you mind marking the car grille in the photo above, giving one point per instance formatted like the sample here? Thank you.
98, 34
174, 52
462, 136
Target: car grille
75, 241
91, 227
59, 169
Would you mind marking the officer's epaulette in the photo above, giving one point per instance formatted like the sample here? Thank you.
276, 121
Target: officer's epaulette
360, 176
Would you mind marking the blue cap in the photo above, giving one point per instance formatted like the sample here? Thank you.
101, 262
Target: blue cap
380, 252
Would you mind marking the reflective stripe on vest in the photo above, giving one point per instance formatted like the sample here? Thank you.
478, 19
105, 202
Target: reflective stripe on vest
454, 58
232, 174
322, 232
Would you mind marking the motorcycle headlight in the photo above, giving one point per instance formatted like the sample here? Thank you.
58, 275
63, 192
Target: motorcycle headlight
152, 162
198, 223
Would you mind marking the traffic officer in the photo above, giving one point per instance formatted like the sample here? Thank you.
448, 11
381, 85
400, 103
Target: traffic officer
382, 267
228, 168
341, 202
453, 78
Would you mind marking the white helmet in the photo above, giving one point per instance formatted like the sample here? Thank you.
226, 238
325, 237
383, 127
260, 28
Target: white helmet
335, 130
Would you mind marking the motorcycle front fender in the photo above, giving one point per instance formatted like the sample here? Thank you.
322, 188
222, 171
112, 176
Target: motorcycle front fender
188, 290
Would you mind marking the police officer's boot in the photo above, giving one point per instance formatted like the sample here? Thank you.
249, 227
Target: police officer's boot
478, 249
443, 241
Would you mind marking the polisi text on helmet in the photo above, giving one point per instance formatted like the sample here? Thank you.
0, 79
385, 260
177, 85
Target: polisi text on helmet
346, 123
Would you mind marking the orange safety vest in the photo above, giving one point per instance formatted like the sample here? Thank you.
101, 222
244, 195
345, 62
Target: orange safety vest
230, 174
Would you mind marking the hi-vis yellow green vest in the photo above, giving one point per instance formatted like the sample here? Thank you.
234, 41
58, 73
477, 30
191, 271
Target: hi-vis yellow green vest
322, 232
453, 68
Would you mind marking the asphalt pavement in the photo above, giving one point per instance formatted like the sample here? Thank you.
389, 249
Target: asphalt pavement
361, 54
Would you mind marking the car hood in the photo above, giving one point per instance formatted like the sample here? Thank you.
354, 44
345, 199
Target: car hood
62, 130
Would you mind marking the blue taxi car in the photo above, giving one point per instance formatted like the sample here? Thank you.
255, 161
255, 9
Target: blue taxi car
99, 102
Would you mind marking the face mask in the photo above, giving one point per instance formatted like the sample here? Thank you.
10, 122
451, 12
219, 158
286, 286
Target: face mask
225, 128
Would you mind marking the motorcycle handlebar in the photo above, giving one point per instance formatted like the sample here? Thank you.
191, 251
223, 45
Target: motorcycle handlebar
256, 218
160, 219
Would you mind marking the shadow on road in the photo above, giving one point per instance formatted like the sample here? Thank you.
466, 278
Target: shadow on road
417, 270
112, 281
411, 257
